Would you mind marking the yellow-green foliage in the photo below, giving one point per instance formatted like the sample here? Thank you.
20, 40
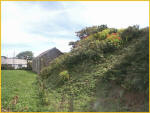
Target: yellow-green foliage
64, 75
103, 34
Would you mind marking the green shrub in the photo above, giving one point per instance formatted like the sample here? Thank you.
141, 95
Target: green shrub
102, 35
6, 67
130, 33
29, 65
113, 42
113, 30
64, 75
131, 72
90, 30
110, 46
120, 31
144, 31
61, 78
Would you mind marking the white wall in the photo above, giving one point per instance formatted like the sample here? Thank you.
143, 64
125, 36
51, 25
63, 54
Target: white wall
16, 63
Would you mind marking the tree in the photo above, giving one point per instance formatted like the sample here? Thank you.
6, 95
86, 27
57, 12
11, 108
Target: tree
90, 30
28, 55
73, 44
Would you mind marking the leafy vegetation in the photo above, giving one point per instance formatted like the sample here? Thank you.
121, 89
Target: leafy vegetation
103, 66
90, 30
64, 75
28, 55
6, 67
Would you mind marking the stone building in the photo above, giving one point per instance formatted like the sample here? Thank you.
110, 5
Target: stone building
44, 59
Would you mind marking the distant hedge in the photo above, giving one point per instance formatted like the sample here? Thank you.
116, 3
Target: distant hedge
6, 67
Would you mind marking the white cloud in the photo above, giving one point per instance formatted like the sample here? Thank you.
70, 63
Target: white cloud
114, 14
20, 19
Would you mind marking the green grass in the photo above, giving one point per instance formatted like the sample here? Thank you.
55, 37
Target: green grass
21, 84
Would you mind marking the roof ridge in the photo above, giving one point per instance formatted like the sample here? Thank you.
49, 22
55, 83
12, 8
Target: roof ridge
54, 48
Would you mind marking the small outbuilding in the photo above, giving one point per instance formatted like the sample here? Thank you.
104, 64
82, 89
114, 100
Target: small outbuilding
44, 59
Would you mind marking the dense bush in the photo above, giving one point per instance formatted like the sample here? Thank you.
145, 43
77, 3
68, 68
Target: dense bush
120, 31
90, 30
110, 42
103, 63
114, 40
6, 67
113, 30
92, 48
29, 65
130, 33
102, 35
131, 72
64, 75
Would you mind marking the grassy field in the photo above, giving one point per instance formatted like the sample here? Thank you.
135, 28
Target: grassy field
19, 91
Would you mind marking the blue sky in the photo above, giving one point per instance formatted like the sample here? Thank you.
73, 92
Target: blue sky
39, 26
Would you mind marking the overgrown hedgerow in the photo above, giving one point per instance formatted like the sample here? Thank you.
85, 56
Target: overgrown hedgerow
91, 58
93, 48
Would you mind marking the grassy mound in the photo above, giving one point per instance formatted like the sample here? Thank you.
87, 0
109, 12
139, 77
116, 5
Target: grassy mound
101, 73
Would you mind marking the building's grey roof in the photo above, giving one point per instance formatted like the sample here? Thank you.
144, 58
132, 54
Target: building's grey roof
48, 51
44, 59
